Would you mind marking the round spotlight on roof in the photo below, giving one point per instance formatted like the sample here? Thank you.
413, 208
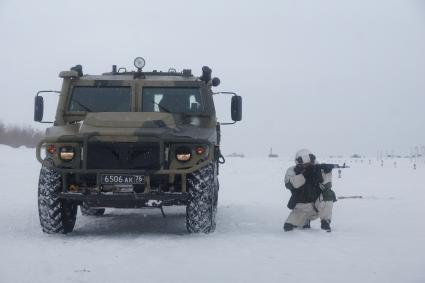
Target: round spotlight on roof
139, 63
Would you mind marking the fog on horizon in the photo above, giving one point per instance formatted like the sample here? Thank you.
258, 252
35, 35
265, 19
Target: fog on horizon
338, 77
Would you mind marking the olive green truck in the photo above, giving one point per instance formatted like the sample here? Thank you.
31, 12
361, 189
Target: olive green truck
131, 139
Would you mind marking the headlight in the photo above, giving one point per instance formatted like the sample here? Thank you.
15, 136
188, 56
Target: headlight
183, 157
183, 154
67, 153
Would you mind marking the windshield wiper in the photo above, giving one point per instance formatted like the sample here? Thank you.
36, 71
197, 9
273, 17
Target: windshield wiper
162, 107
81, 105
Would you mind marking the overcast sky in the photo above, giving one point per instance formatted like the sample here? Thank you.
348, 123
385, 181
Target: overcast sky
334, 76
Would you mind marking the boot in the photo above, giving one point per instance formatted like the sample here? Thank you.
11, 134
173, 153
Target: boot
324, 224
307, 225
288, 227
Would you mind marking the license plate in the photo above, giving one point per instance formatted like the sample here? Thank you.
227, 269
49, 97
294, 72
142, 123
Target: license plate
118, 179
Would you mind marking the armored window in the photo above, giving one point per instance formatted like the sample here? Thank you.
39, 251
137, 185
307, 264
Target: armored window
171, 100
100, 99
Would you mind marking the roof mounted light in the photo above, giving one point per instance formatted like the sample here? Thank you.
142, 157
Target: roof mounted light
139, 63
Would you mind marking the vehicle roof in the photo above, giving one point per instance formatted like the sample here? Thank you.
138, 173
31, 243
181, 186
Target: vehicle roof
158, 76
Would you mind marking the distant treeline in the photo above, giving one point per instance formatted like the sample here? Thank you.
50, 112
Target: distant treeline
15, 136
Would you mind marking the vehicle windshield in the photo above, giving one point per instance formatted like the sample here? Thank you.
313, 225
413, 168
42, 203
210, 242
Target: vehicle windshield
171, 100
100, 99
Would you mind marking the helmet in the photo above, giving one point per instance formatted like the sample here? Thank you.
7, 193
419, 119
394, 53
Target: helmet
304, 156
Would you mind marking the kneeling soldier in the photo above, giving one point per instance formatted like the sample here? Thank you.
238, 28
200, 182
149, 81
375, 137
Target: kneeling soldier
312, 197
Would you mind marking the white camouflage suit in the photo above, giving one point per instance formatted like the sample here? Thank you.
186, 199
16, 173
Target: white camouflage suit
302, 213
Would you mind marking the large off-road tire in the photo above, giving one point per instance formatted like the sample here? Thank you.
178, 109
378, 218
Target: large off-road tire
89, 211
56, 215
202, 205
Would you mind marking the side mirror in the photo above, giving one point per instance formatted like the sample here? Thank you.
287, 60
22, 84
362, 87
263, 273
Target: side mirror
236, 108
38, 108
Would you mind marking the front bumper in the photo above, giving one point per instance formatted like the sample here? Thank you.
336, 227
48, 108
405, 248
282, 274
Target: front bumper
128, 200
147, 174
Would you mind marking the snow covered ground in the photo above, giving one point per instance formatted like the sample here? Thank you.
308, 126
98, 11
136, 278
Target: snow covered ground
379, 238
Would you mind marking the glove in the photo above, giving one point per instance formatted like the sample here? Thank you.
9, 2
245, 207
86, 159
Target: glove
298, 169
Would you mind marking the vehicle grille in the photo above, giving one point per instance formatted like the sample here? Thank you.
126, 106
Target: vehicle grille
123, 155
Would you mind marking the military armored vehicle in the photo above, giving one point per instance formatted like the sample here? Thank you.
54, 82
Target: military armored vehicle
131, 139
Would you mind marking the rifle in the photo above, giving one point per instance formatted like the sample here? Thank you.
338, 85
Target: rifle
329, 167
317, 167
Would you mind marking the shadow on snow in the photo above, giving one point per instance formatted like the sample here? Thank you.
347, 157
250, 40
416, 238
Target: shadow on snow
133, 222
